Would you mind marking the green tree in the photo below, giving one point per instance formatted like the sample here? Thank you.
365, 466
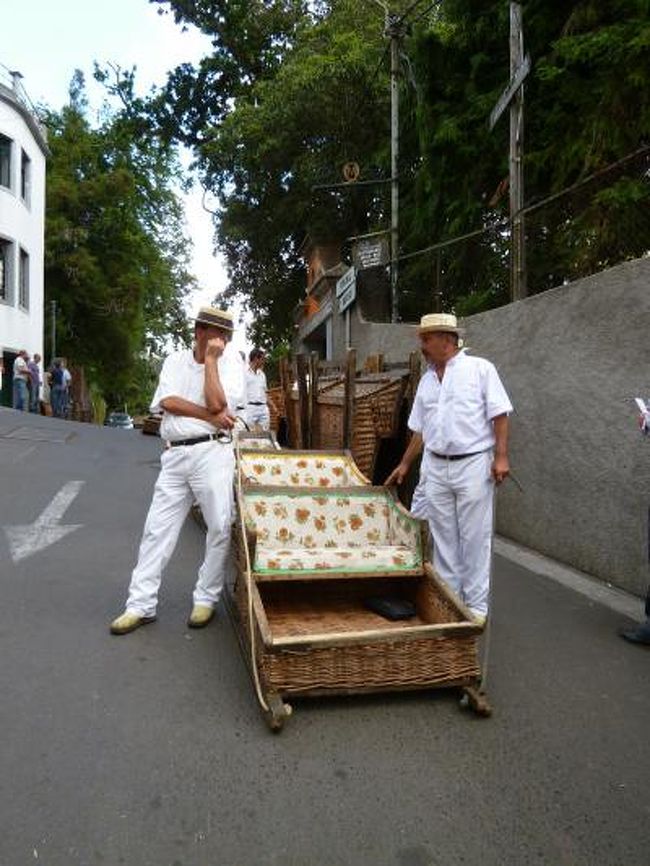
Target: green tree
293, 90
289, 122
116, 258
587, 105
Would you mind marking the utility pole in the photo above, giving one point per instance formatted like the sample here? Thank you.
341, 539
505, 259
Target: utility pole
53, 332
394, 30
513, 96
516, 161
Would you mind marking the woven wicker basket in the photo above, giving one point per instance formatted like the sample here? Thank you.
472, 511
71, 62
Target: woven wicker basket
319, 638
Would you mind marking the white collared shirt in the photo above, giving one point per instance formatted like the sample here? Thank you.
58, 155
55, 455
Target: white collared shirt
455, 416
255, 386
182, 376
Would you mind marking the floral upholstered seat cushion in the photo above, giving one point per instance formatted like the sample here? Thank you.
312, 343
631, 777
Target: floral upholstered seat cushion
284, 469
364, 531
382, 558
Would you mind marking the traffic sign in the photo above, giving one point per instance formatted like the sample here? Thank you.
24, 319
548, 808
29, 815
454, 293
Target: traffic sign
346, 289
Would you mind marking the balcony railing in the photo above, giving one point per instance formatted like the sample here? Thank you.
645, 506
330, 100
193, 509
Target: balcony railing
11, 80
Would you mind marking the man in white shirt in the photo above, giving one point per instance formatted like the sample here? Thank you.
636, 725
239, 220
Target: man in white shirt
460, 419
20, 382
197, 392
257, 410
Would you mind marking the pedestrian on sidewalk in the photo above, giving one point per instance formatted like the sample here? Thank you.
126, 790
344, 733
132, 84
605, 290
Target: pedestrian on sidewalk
35, 386
21, 379
58, 390
460, 420
197, 393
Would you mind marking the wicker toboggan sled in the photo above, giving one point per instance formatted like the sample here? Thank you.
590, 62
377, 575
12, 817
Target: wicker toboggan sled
313, 542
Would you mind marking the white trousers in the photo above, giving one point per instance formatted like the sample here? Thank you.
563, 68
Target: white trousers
204, 473
419, 504
258, 416
460, 499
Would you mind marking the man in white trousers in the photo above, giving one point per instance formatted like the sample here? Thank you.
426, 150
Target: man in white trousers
257, 410
460, 419
197, 393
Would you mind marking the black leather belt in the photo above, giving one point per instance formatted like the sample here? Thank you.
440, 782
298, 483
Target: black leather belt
196, 440
253, 403
455, 456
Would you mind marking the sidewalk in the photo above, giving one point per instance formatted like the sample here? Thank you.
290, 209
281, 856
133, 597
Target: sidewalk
593, 588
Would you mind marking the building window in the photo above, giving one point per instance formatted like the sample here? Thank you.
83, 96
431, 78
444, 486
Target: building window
23, 280
25, 178
5, 161
6, 271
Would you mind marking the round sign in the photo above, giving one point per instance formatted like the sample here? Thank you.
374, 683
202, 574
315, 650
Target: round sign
351, 171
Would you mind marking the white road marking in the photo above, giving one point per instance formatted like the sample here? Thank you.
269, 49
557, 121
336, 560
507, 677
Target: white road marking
46, 529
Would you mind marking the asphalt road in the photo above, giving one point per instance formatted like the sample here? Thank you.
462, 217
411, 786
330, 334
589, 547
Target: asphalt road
149, 750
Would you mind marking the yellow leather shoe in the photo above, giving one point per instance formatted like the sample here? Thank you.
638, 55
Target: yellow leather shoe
128, 622
200, 616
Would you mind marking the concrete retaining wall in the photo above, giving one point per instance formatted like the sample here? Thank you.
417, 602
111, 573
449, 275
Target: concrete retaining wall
572, 359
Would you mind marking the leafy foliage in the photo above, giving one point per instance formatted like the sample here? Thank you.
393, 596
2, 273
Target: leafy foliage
116, 259
288, 124
295, 89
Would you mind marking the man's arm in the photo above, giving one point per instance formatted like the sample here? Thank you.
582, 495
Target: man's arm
401, 470
500, 464
187, 409
215, 396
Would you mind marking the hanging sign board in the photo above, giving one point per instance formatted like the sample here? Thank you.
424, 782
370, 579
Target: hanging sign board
370, 252
346, 289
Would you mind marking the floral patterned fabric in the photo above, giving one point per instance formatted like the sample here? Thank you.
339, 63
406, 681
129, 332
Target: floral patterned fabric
258, 443
285, 469
365, 531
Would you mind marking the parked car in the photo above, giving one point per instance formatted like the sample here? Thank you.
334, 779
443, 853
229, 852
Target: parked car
119, 419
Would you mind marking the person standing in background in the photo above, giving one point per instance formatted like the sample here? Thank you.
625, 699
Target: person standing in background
58, 390
67, 379
257, 410
21, 378
35, 390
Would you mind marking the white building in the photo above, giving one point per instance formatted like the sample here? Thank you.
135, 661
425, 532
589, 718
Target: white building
23, 151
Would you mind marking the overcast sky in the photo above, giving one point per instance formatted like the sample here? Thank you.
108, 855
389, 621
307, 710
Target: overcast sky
46, 40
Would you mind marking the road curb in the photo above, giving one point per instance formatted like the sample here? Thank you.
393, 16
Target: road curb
579, 581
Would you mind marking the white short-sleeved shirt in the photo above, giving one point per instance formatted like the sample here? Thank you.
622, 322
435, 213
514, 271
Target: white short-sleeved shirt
182, 376
20, 368
454, 416
255, 386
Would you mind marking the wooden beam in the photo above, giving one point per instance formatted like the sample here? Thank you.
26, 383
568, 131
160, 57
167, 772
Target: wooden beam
349, 399
314, 417
303, 402
286, 379
381, 635
518, 287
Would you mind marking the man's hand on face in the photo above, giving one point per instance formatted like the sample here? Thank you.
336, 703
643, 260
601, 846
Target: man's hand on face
214, 347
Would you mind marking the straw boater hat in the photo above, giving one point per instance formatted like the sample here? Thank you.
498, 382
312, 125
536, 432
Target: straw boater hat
441, 322
218, 318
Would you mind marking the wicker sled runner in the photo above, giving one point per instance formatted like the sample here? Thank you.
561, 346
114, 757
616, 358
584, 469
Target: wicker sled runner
317, 549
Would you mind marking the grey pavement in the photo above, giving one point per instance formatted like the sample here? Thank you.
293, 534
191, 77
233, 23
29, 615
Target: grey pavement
148, 749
